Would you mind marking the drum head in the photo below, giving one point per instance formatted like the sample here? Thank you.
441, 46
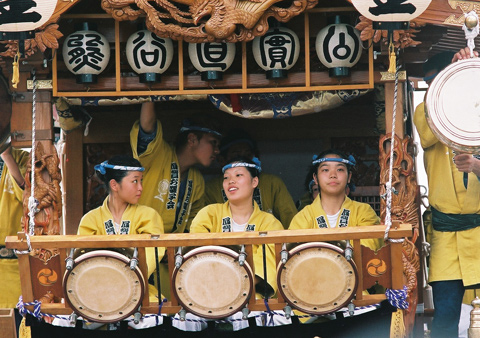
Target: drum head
317, 278
101, 287
452, 106
211, 283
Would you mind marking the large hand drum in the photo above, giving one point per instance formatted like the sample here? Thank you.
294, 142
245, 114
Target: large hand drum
317, 278
101, 287
211, 283
452, 106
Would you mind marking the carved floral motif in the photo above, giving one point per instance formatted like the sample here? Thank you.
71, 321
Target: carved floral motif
401, 38
47, 38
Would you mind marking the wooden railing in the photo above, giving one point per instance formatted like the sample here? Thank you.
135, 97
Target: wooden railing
391, 254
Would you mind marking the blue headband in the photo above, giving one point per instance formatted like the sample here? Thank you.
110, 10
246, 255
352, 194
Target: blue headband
202, 129
257, 165
101, 167
310, 185
349, 161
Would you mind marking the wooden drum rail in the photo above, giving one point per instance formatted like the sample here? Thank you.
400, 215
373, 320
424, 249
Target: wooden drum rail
393, 271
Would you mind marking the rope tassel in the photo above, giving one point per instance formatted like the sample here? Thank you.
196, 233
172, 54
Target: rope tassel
393, 58
16, 70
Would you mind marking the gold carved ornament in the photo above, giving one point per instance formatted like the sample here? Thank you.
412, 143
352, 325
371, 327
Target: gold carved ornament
206, 20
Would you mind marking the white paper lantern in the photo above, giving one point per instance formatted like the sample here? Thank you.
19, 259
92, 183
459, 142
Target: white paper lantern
338, 47
391, 10
211, 58
86, 54
149, 55
24, 15
277, 51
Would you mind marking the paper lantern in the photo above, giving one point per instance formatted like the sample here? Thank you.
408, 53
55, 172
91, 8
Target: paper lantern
24, 16
149, 55
277, 51
86, 53
391, 10
338, 47
211, 58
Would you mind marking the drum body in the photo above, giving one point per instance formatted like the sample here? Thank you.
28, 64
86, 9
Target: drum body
210, 283
317, 278
452, 106
102, 288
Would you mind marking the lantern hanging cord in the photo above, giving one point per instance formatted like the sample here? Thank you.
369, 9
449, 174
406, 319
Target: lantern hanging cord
16, 70
471, 33
388, 185
32, 201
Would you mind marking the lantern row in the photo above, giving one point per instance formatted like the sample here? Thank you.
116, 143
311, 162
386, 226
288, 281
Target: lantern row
86, 52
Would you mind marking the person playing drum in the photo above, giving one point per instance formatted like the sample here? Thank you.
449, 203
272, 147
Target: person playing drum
241, 213
332, 207
120, 213
454, 190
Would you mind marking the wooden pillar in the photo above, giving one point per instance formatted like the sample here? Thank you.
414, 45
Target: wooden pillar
389, 104
73, 184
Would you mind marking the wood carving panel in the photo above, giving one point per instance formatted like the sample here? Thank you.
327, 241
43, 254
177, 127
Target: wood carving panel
207, 20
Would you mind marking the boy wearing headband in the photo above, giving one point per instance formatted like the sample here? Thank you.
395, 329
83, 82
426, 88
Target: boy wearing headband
332, 207
174, 187
271, 194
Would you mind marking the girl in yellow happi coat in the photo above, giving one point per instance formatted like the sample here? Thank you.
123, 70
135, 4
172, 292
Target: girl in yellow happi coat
120, 214
241, 213
332, 207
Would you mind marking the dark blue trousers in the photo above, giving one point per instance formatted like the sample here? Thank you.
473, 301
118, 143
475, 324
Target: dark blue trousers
447, 300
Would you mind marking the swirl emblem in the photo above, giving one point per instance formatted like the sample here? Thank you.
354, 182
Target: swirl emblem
376, 267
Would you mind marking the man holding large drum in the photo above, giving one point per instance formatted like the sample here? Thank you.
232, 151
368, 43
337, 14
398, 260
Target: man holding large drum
454, 194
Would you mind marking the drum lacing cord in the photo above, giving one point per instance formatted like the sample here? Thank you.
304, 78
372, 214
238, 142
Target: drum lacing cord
32, 201
159, 313
397, 298
388, 185
269, 322
21, 306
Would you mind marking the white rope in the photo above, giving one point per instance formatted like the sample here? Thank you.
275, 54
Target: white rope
32, 201
471, 33
388, 185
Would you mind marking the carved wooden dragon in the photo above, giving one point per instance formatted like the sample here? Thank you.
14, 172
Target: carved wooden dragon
207, 20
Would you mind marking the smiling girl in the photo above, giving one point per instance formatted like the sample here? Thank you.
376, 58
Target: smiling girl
241, 213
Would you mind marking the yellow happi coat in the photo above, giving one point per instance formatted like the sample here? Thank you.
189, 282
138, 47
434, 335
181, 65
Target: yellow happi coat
352, 213
11, 211
161, 182
217, 218
271, 195
454, 254
136, 219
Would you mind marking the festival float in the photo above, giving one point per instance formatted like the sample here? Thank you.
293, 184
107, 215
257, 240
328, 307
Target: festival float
299, 75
